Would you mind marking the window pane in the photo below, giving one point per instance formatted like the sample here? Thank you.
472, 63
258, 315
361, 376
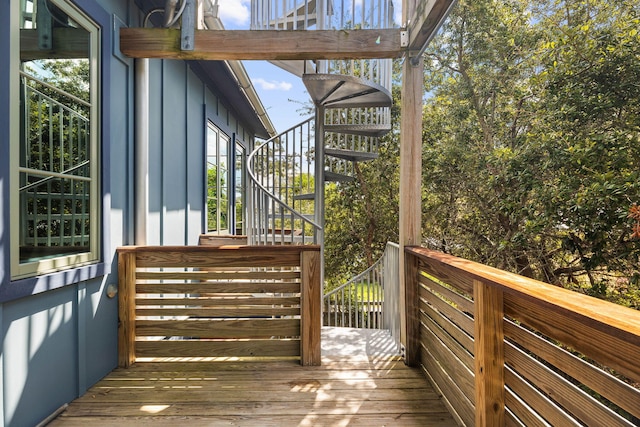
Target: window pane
55, 156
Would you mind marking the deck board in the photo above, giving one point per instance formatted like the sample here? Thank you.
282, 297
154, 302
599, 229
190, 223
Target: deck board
347, 390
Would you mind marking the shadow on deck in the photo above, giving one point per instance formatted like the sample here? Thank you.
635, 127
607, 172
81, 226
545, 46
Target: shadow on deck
362, 381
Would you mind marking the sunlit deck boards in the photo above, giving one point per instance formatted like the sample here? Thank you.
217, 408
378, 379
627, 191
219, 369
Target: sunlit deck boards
374, 391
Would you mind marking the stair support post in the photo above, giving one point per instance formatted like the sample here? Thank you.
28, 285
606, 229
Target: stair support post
319, 184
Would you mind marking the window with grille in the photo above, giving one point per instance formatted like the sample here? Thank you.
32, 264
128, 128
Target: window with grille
55, 193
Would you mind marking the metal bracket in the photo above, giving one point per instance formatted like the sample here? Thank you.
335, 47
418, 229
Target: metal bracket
44, 24
404, 38
188, 26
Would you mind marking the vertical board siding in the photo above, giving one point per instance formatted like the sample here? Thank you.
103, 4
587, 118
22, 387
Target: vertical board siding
195, 160
40, 352
174, 124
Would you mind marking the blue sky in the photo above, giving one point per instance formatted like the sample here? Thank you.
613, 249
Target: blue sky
281, 92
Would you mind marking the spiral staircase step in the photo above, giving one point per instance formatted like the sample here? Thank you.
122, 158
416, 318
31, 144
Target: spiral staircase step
342, 91
337, 177
354, 156
363, 130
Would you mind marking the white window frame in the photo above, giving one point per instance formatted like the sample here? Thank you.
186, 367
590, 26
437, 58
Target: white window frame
50, 265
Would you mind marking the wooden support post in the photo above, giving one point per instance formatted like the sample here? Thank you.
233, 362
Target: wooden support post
126, 308
489, 354
311, 308
410, 174
412, 344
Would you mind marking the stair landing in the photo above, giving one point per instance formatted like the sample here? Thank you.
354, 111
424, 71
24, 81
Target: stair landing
362, 382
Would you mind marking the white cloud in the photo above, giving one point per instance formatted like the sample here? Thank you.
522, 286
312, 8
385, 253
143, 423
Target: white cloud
234, 12
272, 85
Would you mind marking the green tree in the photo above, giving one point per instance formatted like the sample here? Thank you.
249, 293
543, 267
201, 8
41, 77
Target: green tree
531, 140
362, 215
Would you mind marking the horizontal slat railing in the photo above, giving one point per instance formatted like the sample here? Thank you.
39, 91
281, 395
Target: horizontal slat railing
507, 350
219, 302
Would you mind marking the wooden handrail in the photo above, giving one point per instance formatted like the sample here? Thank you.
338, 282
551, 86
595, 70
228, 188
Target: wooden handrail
206, 284
505, 307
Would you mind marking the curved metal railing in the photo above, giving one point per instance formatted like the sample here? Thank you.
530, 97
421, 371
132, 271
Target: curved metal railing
281, 186
370, 299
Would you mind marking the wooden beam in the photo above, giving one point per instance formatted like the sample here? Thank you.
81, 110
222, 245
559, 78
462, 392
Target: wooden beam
67, 43
425, 20
262, 45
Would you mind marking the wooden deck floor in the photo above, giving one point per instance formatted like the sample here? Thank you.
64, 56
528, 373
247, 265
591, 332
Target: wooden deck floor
376, 390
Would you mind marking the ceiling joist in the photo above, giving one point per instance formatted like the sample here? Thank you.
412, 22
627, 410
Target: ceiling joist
262, 44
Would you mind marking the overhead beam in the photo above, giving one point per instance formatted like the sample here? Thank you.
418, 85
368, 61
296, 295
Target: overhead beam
425, 20
262, 44
66, 43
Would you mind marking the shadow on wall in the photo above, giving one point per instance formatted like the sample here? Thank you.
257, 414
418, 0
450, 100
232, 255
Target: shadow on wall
49, 356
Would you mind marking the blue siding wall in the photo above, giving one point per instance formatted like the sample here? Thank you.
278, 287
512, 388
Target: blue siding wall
59, 332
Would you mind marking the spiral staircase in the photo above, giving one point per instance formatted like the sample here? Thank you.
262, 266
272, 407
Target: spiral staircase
352, 100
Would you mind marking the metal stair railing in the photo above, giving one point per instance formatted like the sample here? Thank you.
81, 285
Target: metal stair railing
280, 181
370, 299
54, 187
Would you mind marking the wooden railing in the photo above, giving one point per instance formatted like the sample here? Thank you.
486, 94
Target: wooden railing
219, 302
507, 350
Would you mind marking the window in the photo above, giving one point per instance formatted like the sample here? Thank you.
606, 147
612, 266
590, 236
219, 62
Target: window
239, 178
225, 185
217, 181
55, 191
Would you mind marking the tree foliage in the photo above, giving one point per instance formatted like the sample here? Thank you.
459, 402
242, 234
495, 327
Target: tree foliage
531, 140
531, 148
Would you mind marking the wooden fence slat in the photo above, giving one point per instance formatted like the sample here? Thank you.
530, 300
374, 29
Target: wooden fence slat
261, 276
522, 411
210, 257
489, 354
464, 303
226, 348
212, 288
219, 312
569, 396
538, 402
451, 328
458, 402
578, 333
223, 300
459, 373
603, 383
452, 344
219, 329
462, 320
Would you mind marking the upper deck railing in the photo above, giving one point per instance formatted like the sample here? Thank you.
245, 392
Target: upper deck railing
508, 350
